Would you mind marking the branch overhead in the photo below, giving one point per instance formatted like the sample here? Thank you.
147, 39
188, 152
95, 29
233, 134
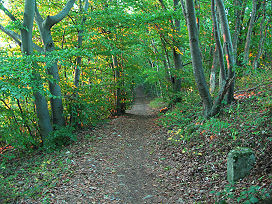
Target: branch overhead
16, 37
7, 12
52, 20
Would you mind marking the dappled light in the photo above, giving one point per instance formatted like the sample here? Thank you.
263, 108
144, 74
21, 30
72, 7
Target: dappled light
122, 101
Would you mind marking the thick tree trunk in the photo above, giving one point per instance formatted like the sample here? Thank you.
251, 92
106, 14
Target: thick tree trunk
249, 32
178, 66
228, 48
54, 87
210, 108
27, 48
43, 115
196, 58
52, 67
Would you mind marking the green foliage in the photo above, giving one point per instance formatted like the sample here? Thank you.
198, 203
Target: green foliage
214, 126
250, 195
28, 178
179, 120
60, 137
157, 103
19, 79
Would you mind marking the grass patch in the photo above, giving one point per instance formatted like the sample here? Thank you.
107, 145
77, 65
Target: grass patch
157, 103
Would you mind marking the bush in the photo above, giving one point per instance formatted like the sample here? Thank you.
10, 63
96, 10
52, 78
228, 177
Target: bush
60, 137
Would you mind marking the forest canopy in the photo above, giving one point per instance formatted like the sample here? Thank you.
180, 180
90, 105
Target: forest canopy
70, 64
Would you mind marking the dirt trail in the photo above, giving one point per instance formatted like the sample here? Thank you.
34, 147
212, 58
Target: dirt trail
118, 166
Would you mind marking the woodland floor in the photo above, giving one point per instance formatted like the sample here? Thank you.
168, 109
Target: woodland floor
130, 160
118, 168
116, 164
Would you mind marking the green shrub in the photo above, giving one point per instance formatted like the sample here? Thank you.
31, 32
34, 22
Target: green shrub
250, 195
60, 137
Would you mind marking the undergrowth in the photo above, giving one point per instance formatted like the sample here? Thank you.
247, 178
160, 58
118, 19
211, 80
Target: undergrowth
29, 177
245, 123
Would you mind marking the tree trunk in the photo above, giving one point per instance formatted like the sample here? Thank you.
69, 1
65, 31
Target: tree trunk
120, 109
43, 115
196, 58
27, 48
215, 65
239, 13
55, 90
263, 34
210, 108
176, 55
79, 44
222, 77
260, 47
249, 32
228, 48
52, 67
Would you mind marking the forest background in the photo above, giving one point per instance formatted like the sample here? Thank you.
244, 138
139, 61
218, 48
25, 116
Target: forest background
69, 65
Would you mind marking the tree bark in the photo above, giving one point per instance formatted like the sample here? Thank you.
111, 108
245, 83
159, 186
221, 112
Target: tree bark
210, 108
249, 32
215, 65
79, 44
119, 104
27, 48
45, 26
263, 29
196, 58
222, 77
176, 55
239, 13
228, 48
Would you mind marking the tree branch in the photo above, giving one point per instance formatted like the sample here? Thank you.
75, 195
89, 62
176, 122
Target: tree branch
162, 4
52, 20
37, 48
38, 17
7, 12
16, 37
218, 101
86, 6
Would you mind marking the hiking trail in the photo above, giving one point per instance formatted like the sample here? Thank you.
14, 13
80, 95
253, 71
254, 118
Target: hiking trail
117, 167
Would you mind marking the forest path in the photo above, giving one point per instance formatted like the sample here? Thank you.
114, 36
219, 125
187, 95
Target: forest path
117, 166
